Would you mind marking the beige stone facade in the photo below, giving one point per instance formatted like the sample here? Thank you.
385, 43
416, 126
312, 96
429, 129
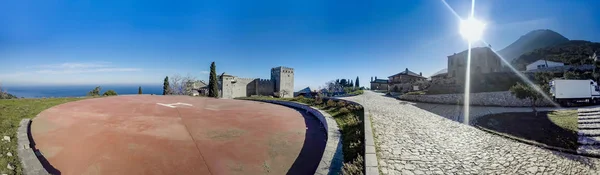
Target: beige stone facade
406, 81
483, 60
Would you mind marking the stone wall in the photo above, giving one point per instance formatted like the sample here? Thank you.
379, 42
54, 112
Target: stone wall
264, 87
504, 98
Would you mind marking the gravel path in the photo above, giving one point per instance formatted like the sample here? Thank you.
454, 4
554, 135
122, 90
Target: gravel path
412, 140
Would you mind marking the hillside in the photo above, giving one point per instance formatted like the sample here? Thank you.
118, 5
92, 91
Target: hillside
574, 52
533, 40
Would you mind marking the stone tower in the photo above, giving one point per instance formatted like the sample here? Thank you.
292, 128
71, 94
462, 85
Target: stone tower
283, 81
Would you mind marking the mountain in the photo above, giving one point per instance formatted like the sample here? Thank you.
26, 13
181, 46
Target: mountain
533, 40
574, 52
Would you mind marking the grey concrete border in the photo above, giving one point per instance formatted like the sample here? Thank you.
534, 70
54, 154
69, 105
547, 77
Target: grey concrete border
371, 163
332, 160
30, 163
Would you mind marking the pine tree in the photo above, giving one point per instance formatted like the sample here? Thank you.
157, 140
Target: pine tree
343, 82
356, 83
213, 88
140, 90
166, 86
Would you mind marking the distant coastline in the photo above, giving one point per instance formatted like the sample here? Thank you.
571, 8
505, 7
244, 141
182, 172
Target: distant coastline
48, 91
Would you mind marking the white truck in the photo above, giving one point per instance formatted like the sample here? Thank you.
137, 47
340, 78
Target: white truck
568, 92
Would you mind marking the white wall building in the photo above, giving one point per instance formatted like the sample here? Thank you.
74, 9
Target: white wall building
540, 64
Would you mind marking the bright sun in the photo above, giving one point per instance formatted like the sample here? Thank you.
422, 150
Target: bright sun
471, 29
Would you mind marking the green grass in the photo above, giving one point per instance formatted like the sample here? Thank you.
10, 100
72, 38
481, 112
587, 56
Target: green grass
11, 113
349, 119
565, 119
555, 128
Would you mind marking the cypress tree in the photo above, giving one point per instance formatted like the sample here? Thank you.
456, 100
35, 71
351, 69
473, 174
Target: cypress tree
356, 83
213, 88
166, 86
140, 90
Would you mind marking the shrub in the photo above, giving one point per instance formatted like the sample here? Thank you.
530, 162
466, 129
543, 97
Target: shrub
341, 103
354, 167
95, 91
330, 103
109, 93
318, 100
416, 93
344, 110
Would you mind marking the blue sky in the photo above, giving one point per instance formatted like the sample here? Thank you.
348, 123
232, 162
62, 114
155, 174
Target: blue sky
140, 42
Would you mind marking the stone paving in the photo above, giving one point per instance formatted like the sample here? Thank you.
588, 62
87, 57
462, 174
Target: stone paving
413, 140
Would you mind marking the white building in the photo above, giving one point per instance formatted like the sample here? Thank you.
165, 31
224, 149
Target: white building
541, 64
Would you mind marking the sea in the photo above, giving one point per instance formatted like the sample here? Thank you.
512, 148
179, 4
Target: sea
78, 90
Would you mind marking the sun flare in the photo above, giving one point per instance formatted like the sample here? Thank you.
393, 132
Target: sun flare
471, 29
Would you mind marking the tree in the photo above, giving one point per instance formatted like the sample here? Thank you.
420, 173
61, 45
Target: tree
343, 82
110, 93
140, 90
522, 91
570, 75
181, 85
213, 88
95, 91
284, 93
351, 83
166, 86
356, 83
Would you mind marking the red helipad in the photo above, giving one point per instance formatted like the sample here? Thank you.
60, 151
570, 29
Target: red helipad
173, 135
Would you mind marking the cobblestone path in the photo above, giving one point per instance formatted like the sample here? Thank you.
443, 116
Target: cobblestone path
412, 140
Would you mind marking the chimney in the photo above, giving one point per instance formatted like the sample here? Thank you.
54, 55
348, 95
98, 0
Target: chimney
421, 73
406, 70
371, 79
375, 77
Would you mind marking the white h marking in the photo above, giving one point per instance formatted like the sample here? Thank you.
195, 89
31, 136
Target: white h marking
173, 105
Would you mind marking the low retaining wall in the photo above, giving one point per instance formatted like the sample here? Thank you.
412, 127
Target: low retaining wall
333, 156
28, 156
370, 157
503, 98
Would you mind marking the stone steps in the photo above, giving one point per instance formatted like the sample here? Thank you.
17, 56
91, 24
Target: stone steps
588, 113
583, 110
589, 132
585, 140
588, 121
588, 117
589, 126
589, 149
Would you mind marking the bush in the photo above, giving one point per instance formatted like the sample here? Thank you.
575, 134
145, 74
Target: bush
341, 103
416, 93
109, 93
344, 110
95, 91
318, 100
354, 167
330, 103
